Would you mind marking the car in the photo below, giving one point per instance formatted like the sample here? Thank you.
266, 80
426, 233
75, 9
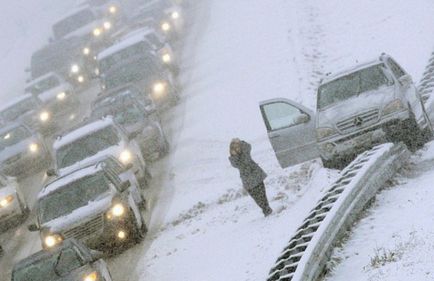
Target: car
57, 95
22, 151
13, 205
93, 140
69, 58
372, 103
136, 121
131, 61
91, 204
29, 110
71, 260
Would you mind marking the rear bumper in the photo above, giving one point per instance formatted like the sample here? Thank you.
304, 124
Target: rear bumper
343, 146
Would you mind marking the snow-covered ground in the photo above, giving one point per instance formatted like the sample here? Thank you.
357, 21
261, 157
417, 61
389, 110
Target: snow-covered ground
238, 53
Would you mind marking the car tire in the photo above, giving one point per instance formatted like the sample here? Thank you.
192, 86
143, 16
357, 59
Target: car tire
329, 164
411, 135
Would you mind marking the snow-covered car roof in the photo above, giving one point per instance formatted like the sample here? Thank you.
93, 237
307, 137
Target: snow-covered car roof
16, 100
83, 131
347, 71
128, 40
68, 178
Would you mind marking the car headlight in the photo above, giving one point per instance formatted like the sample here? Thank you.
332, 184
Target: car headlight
44, 116
118, 210
80, 79
86, 51
159, 88
125, 157
61, 96
113, 9
52, 240
91, 277
107, 25
4, 202
325, 132
33, 147
394, 106
165, 26
175, 15
166, 58
97, 32
75, 68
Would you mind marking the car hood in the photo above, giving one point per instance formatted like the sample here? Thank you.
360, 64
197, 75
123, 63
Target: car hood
15, 149
114, 151
355, 105
79, 216
51, 95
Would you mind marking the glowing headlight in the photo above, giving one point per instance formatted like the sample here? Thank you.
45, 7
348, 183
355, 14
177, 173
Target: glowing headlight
394, 106
325, 132
80, 79
97, 32
75, 68
125, 157
44, 116
113, 9
118, 210
165, 26
86, 51
107, 25
175, 15
159, 88
166, 58
7, 136
6, 201
52, 240
91, 277
61, 96
33, 147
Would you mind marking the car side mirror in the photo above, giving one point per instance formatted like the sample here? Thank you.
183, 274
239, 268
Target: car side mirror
96, 255
304, 118
125, 185
51, 173
128, 166
33, 227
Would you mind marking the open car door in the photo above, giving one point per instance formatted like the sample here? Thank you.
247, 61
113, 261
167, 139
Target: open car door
291, 130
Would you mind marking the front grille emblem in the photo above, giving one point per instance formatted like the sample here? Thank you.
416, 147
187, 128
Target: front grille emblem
358, 121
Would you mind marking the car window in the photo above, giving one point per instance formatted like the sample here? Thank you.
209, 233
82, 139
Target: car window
396, 69
14, 136
281, 115
18, 109
86, 146
353, 84
136, 50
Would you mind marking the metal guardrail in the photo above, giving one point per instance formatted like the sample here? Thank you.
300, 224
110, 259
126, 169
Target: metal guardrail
306, 254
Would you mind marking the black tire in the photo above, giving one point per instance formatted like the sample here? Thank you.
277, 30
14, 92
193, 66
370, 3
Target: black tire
329, 164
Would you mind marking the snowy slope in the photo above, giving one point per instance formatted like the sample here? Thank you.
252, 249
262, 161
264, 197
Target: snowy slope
25, 26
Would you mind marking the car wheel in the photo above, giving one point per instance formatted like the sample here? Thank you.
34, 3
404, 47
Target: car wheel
329, 164
412, 136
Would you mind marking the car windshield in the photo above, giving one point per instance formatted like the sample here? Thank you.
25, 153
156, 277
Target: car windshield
20, 108
354, 84
43, 85
14, 136
138, 70
72, 196
50, 267
136, 50
123, 113
86, 146
72, 23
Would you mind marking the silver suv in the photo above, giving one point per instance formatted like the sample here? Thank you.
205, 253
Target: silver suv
372, 103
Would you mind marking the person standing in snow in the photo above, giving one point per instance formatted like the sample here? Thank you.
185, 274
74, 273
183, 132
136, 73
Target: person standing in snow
252, 176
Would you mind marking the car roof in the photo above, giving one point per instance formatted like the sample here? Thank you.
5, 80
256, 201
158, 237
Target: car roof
128, 40
75, 175
16, 100
45, 254
381, 59
83, 130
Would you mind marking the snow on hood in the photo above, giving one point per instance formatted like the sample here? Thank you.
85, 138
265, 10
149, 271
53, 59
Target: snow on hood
355, 105
15, 149
114, 151
78, 216
50, 95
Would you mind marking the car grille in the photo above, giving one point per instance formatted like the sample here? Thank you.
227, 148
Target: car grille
86, 229
358, 121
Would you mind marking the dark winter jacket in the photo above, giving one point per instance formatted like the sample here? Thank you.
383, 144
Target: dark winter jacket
251, 174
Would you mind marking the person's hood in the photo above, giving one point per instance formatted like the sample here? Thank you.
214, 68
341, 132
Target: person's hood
79, 216
16, 149
51, 95
114, 151
355, 105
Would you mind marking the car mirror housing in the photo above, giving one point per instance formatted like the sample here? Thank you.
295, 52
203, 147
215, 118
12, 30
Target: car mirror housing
33, 228
125, 185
